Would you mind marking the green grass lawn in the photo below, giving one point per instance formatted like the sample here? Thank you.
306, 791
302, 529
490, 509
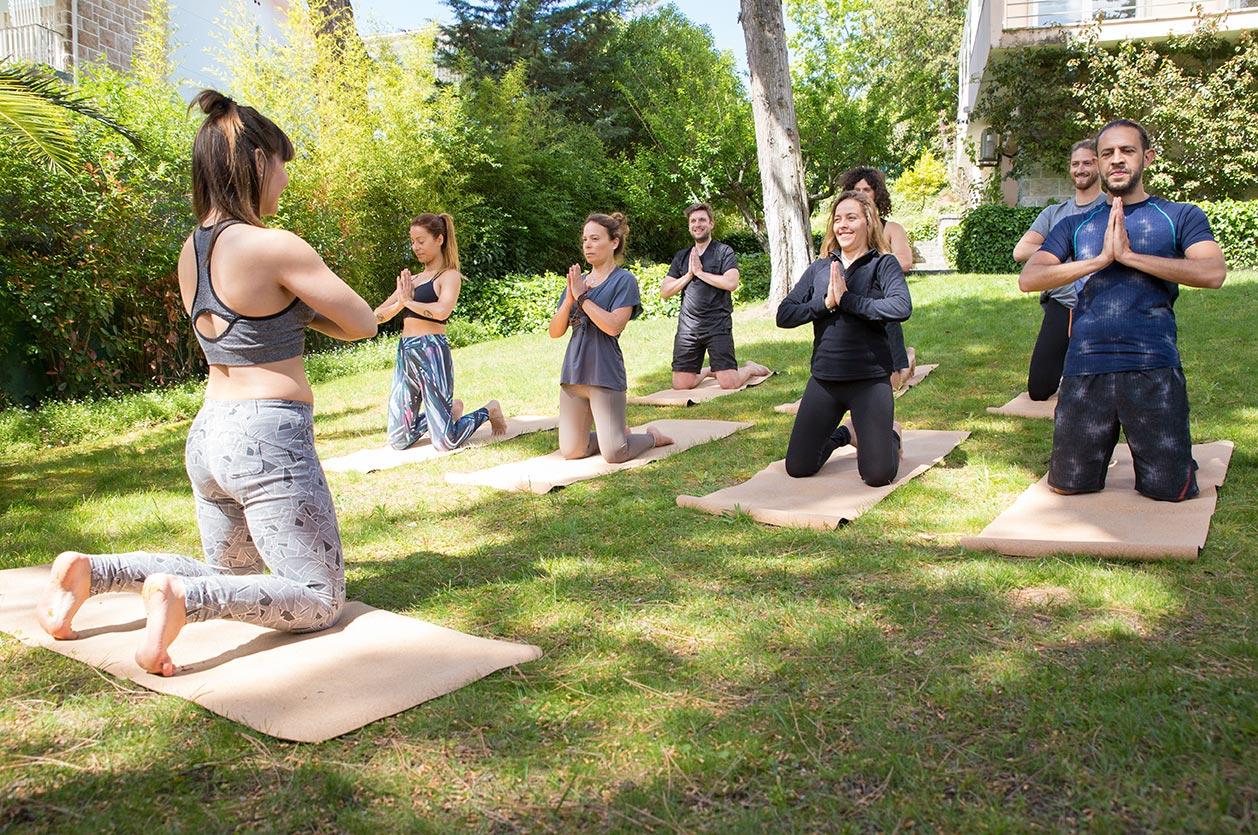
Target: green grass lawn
700, 673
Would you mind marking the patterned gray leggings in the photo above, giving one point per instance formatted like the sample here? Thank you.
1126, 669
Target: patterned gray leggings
262, 503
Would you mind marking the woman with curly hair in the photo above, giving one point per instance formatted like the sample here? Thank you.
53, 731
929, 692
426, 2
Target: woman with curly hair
871, 183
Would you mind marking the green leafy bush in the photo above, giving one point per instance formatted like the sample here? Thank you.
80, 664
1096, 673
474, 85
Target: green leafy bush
925, 179
920, 226
743, 241
1235, 227
754, 273
952, 236
988, 235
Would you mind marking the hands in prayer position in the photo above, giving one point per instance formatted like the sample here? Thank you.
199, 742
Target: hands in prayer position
838, 286
696, 263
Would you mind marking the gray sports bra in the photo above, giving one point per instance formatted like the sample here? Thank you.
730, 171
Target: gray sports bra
247, 340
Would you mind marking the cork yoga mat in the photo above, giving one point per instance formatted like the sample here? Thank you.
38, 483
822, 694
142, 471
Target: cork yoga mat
306, 688
1116, 522
834, 495
919, 374
384, 458
709, 389
546, 472
1023, 406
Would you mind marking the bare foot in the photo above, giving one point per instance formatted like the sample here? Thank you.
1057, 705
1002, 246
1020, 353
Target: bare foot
660, 438
757, 370
164, 602
901, 378
456, 409
497, 421
68, 587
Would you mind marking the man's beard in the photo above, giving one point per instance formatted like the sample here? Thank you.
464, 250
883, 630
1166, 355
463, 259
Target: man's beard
1092, 178
1133, 182
704, 238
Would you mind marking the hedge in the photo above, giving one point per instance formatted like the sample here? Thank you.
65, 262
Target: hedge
1235, 226
952, 235
986, 235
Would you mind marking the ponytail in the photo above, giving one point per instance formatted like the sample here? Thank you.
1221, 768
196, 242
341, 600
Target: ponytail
225, 174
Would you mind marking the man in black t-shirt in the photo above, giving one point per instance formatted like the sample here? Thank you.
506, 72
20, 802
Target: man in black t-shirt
706, 274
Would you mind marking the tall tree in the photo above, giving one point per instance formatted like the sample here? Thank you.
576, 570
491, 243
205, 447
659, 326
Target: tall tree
693, 138
777, 144
563, 45
878, 77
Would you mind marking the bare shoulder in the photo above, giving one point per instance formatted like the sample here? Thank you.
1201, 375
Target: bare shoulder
276, 247
893, 228
450, 275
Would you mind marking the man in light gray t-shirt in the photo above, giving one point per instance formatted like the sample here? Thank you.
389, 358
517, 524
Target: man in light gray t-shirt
1049, 355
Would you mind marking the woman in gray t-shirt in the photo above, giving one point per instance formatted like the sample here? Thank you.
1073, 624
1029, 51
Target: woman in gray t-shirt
592, 385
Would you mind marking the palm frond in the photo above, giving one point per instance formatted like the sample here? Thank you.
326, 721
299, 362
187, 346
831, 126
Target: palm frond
33, 111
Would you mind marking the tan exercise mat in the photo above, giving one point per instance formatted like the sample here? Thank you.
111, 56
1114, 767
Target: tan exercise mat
919, 374
306, 688
1116, 522
1023, 406
709, 389
834, 495
546, 472
384, 458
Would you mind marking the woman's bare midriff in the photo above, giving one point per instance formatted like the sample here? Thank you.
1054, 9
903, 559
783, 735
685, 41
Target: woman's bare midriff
421, 327
283, 380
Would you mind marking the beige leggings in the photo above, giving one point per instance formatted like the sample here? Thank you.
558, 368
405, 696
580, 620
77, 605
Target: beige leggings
581, 405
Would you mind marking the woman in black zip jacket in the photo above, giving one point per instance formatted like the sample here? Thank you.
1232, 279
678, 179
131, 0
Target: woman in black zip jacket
849, 295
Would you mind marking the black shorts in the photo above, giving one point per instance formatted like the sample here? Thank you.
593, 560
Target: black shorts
688, 350
1152, 409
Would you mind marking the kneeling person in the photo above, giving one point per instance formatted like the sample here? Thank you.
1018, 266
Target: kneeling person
1122, 364
706, 274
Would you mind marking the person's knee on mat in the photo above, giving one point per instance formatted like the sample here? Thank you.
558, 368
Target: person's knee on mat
323, 615
880, 475
1039, 392
797, 469
572, 452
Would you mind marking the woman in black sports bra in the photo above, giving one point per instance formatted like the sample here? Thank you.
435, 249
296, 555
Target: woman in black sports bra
422, 400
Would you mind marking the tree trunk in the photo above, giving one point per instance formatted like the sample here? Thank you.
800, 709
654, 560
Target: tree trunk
777, 145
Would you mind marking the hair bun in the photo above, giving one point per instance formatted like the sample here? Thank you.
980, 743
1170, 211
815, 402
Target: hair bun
213, 103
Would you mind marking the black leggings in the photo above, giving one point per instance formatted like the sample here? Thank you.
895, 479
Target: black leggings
815, 436
1049, 356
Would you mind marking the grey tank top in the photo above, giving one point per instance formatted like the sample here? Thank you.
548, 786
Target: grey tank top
247, 340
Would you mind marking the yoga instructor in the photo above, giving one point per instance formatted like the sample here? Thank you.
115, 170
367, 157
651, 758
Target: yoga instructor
261, 498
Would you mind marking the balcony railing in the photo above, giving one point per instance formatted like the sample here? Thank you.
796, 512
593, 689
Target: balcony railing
1021, 14
34, 43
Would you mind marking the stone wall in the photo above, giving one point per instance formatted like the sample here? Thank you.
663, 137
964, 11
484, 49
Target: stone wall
1043, 185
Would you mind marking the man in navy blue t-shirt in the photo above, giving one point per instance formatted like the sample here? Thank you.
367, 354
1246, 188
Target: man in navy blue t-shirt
1126, 261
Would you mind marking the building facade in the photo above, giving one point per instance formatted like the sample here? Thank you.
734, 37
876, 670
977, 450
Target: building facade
67, 34
995, 26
